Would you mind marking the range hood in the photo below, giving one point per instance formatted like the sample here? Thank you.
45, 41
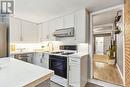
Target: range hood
66, 32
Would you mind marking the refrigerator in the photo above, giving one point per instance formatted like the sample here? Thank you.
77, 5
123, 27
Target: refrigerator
3, 40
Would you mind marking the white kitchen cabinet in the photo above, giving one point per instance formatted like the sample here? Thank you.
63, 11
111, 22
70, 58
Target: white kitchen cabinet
23, 31
78, 71
43, 32
60, 23
45, 60
69, 21
37, 59
52, 28
81, 26
74, 77
15, 30
29, 32
41, 59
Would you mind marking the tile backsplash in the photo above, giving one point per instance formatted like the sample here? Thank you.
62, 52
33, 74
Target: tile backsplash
34, 46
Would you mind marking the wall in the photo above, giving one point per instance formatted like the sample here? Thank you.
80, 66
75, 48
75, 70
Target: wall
120, 47
127, 43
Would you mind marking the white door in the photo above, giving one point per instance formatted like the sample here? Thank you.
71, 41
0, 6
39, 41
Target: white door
99, 44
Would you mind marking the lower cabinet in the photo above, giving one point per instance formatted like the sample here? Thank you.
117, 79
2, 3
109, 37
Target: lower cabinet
37, 59
26, 57
77, 71
45, 60
41, 59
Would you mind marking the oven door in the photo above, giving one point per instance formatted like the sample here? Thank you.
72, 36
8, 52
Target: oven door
59, 65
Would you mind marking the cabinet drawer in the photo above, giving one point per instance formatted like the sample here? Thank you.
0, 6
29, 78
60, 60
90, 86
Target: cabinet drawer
74, 60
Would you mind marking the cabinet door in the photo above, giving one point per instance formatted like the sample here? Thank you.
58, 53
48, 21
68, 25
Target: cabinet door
15, 30
44, 31
45, 60
37, 59
59, 23
29, 32
69, 21
52, 28
80, 26
74, 72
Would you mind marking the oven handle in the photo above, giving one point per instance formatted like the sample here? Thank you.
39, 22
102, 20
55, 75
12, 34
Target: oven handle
57, 59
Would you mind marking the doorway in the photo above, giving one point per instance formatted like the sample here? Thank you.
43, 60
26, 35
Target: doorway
107, 57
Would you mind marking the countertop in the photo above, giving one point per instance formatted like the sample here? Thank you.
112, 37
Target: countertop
18, 52
78, 55
16, 73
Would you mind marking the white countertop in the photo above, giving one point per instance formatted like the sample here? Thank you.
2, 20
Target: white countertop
78, 55
16, 73
24, 52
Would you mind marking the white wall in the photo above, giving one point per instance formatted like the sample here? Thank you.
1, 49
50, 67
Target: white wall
120, 48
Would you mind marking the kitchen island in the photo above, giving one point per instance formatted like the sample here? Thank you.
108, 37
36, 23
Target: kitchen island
16, 73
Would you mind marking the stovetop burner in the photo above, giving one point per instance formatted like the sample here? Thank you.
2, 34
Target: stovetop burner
67, 53
63, 53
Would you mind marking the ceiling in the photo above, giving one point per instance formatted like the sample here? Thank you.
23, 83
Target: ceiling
104, 18
103, 22
41, 10
103, 29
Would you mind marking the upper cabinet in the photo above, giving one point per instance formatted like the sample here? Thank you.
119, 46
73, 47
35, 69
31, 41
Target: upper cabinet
60, 23
43, 32
81, 26
29, 32
79, 20
69, 21
15, 30
23, 31
52, 27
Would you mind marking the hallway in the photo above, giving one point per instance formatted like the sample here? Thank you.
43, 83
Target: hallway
106, 72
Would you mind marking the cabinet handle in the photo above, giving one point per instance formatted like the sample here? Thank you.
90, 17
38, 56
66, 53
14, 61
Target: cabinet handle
74, 60
47, 36
21, 38
40, 60
42, 55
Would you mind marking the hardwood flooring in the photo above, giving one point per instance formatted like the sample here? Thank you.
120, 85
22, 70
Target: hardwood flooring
107, 73
101, 58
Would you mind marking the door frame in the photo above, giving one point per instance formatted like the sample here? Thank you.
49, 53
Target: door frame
92, 42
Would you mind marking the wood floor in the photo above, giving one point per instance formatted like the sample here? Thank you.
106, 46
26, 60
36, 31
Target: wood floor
107, 73
101, 58
52, 84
